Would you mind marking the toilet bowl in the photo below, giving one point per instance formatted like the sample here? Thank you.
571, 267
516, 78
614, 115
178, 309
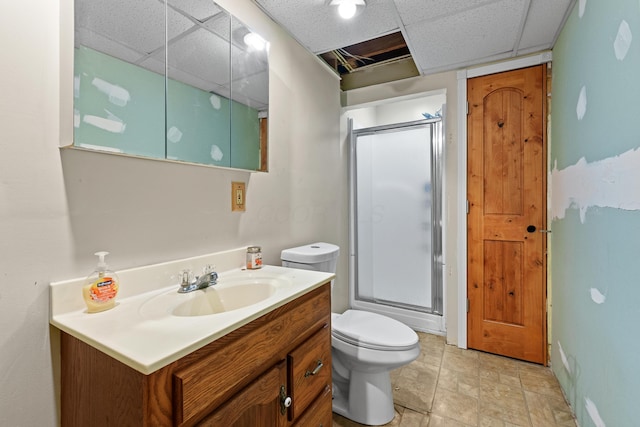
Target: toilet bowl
365, 347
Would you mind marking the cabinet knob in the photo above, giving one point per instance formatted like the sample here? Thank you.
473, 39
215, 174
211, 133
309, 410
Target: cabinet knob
285, 401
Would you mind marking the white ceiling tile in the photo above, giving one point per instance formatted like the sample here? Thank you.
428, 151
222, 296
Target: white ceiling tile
177, 24
220, 24
202, 54
467, 36
228, 26
413, 11
200, 10
138, 24
543, 23
102, 44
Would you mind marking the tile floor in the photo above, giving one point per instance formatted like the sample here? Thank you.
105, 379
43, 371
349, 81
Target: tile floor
450, 387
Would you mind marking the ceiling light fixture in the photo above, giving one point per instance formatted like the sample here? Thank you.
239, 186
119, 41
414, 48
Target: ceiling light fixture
347, 8
255, 41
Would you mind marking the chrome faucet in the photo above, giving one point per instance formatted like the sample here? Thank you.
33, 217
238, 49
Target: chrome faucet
208, 278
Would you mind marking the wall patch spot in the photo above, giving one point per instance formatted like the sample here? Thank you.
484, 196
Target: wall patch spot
623, 40
174, 135
76, 86
109, 125
216, 153
117, 95
581, 108
609, 183
593, 412
215, 101
582, 4
564, 359
597, 296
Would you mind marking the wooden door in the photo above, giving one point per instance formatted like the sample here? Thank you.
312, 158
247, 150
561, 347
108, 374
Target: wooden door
506, 283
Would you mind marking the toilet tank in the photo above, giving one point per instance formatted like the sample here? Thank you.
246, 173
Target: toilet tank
316, 256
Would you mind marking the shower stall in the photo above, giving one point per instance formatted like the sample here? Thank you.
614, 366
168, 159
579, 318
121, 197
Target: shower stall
396, 264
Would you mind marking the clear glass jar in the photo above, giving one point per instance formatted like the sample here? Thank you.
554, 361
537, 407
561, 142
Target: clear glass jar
254, 257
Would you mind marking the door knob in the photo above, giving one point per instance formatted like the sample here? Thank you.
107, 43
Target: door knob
531, 229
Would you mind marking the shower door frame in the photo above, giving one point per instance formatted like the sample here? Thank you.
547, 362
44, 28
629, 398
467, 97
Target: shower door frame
429, 320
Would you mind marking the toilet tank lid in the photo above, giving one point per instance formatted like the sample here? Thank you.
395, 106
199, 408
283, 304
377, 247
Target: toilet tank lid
311, 254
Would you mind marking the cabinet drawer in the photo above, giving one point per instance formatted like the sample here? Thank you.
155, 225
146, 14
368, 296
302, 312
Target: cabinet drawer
319, 413
310, 370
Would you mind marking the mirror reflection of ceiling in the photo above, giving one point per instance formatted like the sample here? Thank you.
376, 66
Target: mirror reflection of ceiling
134, 32
441, 35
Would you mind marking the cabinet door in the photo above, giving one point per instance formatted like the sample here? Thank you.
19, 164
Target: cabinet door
257, 405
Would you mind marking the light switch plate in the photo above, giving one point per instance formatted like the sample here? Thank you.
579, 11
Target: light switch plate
238, 197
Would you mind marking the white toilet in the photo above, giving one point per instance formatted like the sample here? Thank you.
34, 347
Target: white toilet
365, 347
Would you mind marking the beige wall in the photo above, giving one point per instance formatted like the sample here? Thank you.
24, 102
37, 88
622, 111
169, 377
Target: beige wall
56, 209
405, 88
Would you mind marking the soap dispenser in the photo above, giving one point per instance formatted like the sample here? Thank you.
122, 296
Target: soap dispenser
101, 287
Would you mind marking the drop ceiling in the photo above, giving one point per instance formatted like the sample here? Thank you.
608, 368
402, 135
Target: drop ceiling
441, 35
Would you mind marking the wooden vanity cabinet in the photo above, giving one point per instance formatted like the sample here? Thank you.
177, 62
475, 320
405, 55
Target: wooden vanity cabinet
239, 380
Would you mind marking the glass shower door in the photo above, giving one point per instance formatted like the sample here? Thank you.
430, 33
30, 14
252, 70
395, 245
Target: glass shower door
394, 217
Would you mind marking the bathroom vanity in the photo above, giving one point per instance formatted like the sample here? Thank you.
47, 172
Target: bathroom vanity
270, 368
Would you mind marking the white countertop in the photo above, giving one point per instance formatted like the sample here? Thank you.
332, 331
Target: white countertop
147, 340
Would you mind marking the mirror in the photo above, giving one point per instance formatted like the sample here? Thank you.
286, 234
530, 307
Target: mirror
182, 80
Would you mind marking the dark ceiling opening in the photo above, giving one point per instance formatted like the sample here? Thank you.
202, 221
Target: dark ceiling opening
373, 61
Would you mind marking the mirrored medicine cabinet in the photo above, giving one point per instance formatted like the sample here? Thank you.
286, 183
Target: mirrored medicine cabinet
178, 80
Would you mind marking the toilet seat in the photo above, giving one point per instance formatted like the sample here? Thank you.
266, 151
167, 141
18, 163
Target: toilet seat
373, 331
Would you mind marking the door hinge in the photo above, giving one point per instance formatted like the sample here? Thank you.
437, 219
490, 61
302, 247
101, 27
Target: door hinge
467, 207
467, 108
468, 305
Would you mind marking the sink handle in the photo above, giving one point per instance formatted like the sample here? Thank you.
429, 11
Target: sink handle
186, 281
186, 276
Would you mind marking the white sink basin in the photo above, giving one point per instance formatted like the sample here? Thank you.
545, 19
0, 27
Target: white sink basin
229, 294
216, 299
